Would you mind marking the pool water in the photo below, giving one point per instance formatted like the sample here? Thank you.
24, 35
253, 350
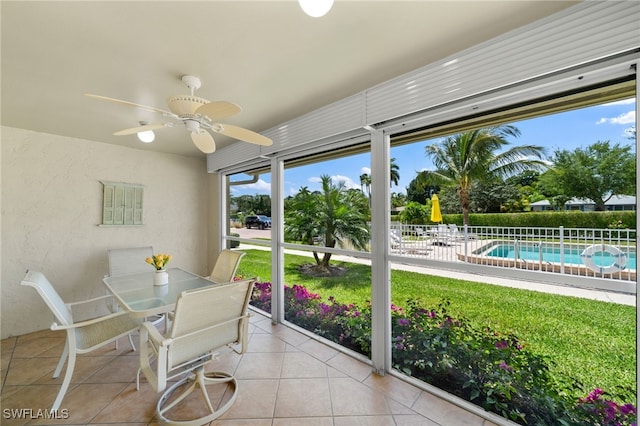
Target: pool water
552, 255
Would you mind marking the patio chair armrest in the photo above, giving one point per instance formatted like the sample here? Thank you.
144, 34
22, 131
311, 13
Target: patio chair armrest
152, 333
56, 326
93, 300
153, 345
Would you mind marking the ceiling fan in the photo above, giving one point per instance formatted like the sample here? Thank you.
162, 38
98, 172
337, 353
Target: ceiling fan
197, 114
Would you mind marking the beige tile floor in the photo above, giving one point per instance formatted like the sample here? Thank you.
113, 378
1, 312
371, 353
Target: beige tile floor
284, 379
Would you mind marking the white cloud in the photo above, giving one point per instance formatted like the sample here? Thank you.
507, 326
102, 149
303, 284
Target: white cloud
623, 102
293, 190
626, 118
348, 182
366, 170
259, 187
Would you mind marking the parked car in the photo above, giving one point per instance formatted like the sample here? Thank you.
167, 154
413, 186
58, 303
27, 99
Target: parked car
257, 221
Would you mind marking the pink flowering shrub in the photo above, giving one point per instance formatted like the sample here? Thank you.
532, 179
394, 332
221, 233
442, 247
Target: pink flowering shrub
493, 370
600, 411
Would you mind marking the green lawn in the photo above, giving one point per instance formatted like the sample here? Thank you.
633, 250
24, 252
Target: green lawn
591, 341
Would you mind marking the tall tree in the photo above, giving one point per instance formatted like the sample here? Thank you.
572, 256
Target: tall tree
398, 199
421, 188
597, 172
335, 215
365, 184
473, 156
394, 172
394, 177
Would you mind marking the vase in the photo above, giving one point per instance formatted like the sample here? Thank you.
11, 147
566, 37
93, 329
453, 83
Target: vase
161, 277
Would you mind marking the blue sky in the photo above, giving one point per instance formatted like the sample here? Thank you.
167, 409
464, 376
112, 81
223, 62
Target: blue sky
568, 130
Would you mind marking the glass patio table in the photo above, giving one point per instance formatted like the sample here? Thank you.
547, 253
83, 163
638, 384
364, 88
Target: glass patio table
137, 294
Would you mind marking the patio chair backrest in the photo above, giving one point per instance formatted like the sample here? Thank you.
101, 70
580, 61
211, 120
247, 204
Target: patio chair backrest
207, 319
129, 260
226, 266
50, 296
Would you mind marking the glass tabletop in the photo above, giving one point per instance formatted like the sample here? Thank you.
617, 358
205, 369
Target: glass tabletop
138, 295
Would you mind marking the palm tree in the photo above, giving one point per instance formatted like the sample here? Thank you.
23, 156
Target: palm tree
335, 215
394, 172
365, 184
473, 156
394, 177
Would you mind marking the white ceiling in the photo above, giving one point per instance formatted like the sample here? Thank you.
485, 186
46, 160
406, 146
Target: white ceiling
266, 56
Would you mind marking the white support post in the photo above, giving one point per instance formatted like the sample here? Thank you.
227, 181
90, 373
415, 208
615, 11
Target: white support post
277, 240
637, 225
380, 270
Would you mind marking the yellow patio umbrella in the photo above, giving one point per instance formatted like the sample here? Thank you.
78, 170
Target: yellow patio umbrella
436, 214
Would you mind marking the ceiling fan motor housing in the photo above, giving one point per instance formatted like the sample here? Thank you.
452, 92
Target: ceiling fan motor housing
192, 125
185, 105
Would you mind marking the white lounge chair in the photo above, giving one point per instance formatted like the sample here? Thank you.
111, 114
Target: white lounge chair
83, 336
421, 233
441, 235
454, 233
395, 237
205, 321
458, 235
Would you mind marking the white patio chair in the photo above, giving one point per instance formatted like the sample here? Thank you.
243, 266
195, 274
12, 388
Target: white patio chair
83, 336
131, 260
205, 321
223, 271
226, 266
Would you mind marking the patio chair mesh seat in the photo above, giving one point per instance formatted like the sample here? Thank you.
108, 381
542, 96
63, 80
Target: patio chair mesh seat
93, 335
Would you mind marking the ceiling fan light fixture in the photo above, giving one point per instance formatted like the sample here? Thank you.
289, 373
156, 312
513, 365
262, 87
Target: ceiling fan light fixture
316, 8
147, 136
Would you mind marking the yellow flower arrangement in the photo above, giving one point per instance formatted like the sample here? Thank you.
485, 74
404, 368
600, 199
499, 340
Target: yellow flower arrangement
159, 261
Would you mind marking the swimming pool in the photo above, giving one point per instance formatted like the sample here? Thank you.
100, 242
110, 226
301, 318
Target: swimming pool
553, 254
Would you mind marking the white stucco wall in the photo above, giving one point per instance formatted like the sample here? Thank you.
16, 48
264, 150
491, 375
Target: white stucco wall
52, 204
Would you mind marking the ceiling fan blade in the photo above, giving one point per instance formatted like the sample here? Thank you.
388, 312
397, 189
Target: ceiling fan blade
138, 129
218, 109
204, 141
242, 134
119, 101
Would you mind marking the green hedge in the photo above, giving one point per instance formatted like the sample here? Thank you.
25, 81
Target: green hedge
552, 219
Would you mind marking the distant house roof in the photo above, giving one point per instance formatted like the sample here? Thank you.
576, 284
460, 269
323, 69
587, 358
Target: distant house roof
616, 200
